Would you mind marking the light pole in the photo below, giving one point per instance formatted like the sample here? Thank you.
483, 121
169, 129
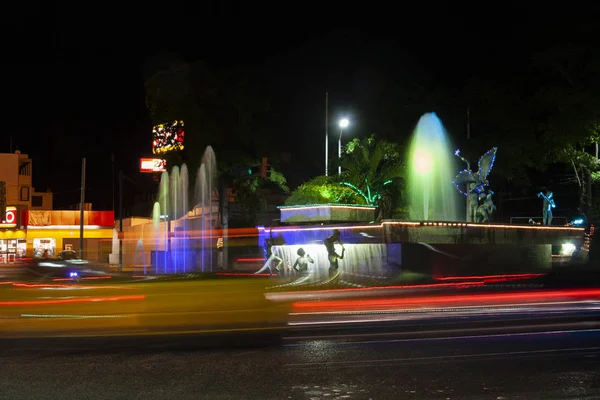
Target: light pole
326, 133
343, 124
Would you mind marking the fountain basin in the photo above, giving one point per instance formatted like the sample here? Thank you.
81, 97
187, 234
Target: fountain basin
440, 248
480, 234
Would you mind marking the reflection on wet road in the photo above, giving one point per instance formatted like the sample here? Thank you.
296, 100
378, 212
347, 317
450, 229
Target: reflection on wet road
536, 366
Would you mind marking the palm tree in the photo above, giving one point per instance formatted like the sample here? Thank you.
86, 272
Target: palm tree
372, 168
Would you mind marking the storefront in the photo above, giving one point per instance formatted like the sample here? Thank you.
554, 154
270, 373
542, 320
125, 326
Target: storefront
12, 249
50, 232
13, 240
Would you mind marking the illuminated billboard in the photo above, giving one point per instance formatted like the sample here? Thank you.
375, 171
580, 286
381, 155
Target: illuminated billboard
153, 165
167, 137
10, 218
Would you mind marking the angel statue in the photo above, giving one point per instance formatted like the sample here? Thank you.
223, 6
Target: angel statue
486, 207
472, 184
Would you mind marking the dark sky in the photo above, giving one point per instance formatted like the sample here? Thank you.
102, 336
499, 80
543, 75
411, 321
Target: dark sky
74, 88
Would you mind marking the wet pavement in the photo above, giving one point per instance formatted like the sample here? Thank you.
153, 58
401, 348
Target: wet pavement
541, 365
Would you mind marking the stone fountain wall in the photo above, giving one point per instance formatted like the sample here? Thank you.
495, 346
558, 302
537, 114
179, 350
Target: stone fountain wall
442, 248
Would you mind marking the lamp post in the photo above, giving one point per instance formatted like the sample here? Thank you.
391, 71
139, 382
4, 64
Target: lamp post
326, 133
81, 209
343, 124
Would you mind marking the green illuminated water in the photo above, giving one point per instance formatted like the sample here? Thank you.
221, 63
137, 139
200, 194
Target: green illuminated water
431, 195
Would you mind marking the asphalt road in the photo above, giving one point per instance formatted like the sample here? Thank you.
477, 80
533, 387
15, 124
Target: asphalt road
534, 345
540, 365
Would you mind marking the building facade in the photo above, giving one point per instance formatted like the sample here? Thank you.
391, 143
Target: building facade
31, 228
16, 170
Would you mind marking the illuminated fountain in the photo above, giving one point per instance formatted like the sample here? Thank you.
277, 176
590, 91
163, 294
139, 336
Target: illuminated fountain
163, 203
366, 255
156, 213
176, 194
176, 228
431, 195
184, 206
435, 242
204, 199
141, 255
360, 259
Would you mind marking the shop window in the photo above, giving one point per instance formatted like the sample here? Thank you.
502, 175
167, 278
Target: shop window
21, 248
44, 247
11, 249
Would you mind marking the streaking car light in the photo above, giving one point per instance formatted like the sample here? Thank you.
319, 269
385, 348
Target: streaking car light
73, 274
51, 264
77, 261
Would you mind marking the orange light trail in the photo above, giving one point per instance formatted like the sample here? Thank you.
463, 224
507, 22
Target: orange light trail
40, 285
69, 301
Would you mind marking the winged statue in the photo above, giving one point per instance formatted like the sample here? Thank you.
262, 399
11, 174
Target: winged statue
473, 184
477, 181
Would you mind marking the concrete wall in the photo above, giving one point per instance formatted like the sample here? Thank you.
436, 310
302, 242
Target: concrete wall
47, 199
482, 234
16, 169
444, 249
467, 260
9, 173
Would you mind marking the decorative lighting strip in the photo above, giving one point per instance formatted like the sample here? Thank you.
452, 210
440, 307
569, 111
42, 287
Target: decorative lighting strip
502, 226
330, 227
343, 206
417, 224
533, 227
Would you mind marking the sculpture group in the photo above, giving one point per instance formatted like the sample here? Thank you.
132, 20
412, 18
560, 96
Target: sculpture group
474, 185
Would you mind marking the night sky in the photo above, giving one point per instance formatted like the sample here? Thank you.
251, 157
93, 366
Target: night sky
74, 85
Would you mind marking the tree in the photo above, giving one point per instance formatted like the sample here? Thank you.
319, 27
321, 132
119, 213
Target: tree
249, 194
569, 103
502, 114
373, 168
373, 175
218, 108
539, 104
323, 190
221, 109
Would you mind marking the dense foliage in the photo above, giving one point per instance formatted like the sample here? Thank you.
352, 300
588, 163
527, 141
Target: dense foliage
373, 173
323, 190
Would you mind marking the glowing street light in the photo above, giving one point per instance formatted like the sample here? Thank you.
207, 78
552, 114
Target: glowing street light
343, 124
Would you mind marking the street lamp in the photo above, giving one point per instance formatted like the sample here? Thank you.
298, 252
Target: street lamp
343, 124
